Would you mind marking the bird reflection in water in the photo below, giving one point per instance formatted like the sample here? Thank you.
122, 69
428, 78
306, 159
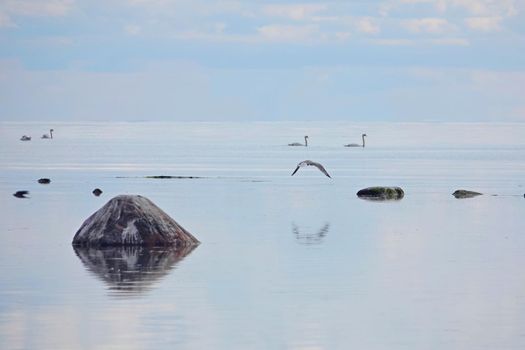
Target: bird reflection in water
310, 238
131, 271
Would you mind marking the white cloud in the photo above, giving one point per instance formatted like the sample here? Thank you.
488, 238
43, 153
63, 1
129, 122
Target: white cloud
419, 42
450, 42
505, 8
288, 33
296, 12
132, 29
36, 8
32, 8
368, 25
386, 7
487, 7
393, 42
427, 25
5, 21
485, 24
343, 36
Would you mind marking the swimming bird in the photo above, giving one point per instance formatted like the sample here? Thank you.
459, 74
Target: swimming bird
48, 136
356, 144
44, 181
21, 194
305, 163
300, 144
25, 138
97, 192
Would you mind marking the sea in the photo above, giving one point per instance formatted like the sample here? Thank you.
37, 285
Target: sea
285, 262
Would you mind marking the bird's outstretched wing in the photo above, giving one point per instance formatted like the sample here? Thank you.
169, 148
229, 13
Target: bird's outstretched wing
320, 167
295, 170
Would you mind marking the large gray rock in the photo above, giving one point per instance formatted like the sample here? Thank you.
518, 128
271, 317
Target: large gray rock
131, 220
381, 193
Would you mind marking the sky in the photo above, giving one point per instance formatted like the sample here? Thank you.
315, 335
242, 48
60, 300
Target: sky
198, 60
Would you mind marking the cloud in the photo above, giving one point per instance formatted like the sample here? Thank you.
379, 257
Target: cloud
504, 8
343, 36
37, 8
5, 21
367, 25
449, 42
32, 8
486, 7
484, 24
297, 12
427, 25
132, 29
393, 42
288, 33
419, 42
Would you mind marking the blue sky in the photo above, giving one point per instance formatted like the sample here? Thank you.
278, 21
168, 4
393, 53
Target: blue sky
378, 60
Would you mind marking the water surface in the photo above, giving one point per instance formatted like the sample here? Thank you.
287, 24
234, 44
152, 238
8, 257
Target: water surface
285, 262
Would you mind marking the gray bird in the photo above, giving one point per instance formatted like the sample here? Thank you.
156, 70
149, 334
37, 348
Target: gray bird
356, 144
305, 163
48, 136
300, 144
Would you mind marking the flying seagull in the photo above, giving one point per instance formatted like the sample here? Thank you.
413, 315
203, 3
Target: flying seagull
310, 163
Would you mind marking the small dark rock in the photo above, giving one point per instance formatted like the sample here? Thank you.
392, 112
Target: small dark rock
97, 192
381, 193
21, 194
44, 181
465, 194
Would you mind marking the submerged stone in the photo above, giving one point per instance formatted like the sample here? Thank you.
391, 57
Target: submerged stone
132, 220
465, 194
381, 193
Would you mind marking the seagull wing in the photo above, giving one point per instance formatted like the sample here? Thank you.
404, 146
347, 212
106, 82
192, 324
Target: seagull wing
295, 170
320, 167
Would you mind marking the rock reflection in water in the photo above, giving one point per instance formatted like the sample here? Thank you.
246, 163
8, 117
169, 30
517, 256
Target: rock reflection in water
309, 238
131, 270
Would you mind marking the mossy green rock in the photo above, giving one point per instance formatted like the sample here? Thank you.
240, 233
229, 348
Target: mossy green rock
381, 193
465, 194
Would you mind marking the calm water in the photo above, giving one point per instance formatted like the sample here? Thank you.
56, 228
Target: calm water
285, 262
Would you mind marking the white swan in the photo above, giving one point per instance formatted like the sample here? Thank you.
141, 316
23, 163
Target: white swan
300, 144
356, 144
48, 136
